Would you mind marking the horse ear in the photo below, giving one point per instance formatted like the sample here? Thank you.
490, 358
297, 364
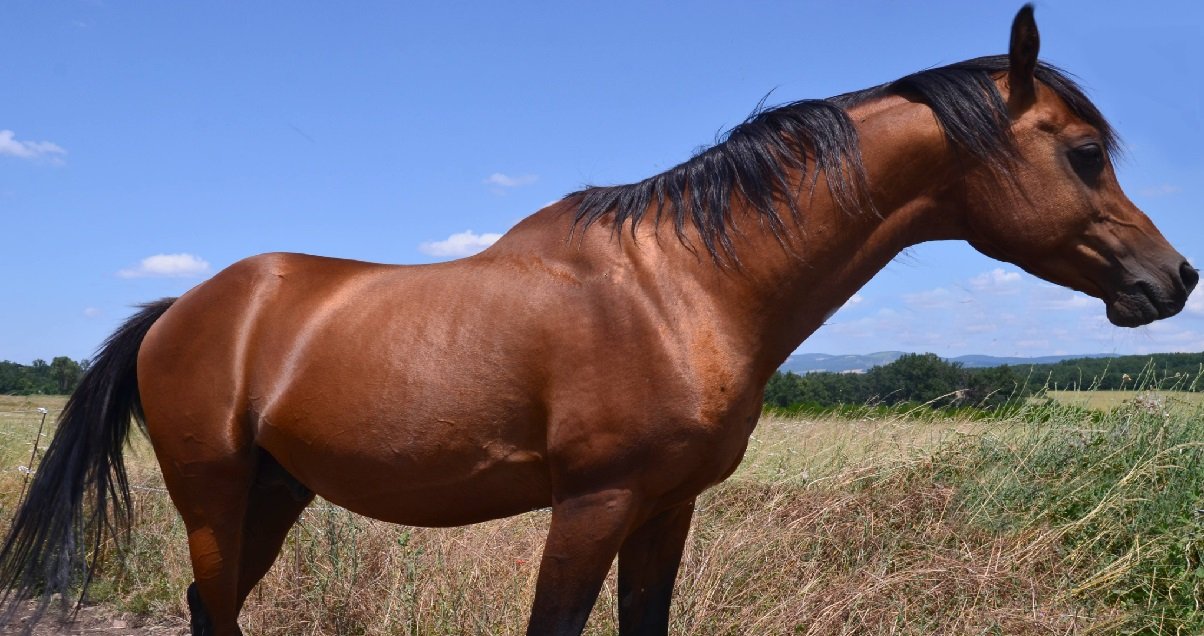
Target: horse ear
1022, 58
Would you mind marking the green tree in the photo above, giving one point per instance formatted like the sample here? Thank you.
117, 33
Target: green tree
39, 378
66, 373
917, 377
781, 389
993, 387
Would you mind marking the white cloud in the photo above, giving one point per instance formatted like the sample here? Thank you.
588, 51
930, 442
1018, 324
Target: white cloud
997, 281
1195, 304
1033, 346
46, 150
1161, 190
464, 243
1052, 298
92, 312
1172, 336
506, 181
939, 298
168, 266
998, 310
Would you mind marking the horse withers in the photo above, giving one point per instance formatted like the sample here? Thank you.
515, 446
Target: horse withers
606, 357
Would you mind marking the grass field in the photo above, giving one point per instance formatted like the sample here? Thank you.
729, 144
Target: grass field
1055, 520
1108, 400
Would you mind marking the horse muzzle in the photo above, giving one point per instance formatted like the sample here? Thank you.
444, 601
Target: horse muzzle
1143, 301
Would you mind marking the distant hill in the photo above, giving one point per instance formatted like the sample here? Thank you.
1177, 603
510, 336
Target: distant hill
848, 363
812, 362
973, 361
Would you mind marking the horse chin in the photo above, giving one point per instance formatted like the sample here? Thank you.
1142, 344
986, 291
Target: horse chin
1139, 306
1125, 316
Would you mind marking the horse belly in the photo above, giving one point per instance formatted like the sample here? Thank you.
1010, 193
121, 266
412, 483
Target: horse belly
417, 478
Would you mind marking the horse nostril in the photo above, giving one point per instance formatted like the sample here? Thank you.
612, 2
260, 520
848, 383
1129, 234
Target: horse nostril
1190, 276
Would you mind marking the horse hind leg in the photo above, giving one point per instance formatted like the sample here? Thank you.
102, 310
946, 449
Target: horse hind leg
213, 500
276, 501
237, 511
200, 624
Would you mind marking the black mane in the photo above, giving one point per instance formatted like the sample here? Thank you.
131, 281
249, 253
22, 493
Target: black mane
816, 135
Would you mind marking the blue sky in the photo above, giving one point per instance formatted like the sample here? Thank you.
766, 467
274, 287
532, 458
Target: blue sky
144, 146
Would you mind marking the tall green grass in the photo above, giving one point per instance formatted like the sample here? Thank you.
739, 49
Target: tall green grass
1120, 495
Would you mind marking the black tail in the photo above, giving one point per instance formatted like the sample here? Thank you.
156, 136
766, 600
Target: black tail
80, 492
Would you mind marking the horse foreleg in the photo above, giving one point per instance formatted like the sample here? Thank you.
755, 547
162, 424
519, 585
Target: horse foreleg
648, 563
583, 539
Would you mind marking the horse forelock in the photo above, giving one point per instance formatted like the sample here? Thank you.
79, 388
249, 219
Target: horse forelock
753, 161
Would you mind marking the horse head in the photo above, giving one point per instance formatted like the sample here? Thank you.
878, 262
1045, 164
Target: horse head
1057, 211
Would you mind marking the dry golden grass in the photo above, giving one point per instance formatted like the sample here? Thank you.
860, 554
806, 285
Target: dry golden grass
830, 527
784, 448
19, 424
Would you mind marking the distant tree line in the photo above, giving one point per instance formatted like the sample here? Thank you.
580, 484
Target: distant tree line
927, 378
1162, 370
59, 376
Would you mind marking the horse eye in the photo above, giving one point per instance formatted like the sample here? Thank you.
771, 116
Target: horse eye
1087, 161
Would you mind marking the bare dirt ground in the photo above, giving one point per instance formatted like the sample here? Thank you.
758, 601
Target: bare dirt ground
99, 620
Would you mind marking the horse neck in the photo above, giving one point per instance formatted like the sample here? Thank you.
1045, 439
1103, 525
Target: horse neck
785, 287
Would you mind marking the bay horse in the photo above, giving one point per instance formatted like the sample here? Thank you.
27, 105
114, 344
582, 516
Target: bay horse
606, 357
